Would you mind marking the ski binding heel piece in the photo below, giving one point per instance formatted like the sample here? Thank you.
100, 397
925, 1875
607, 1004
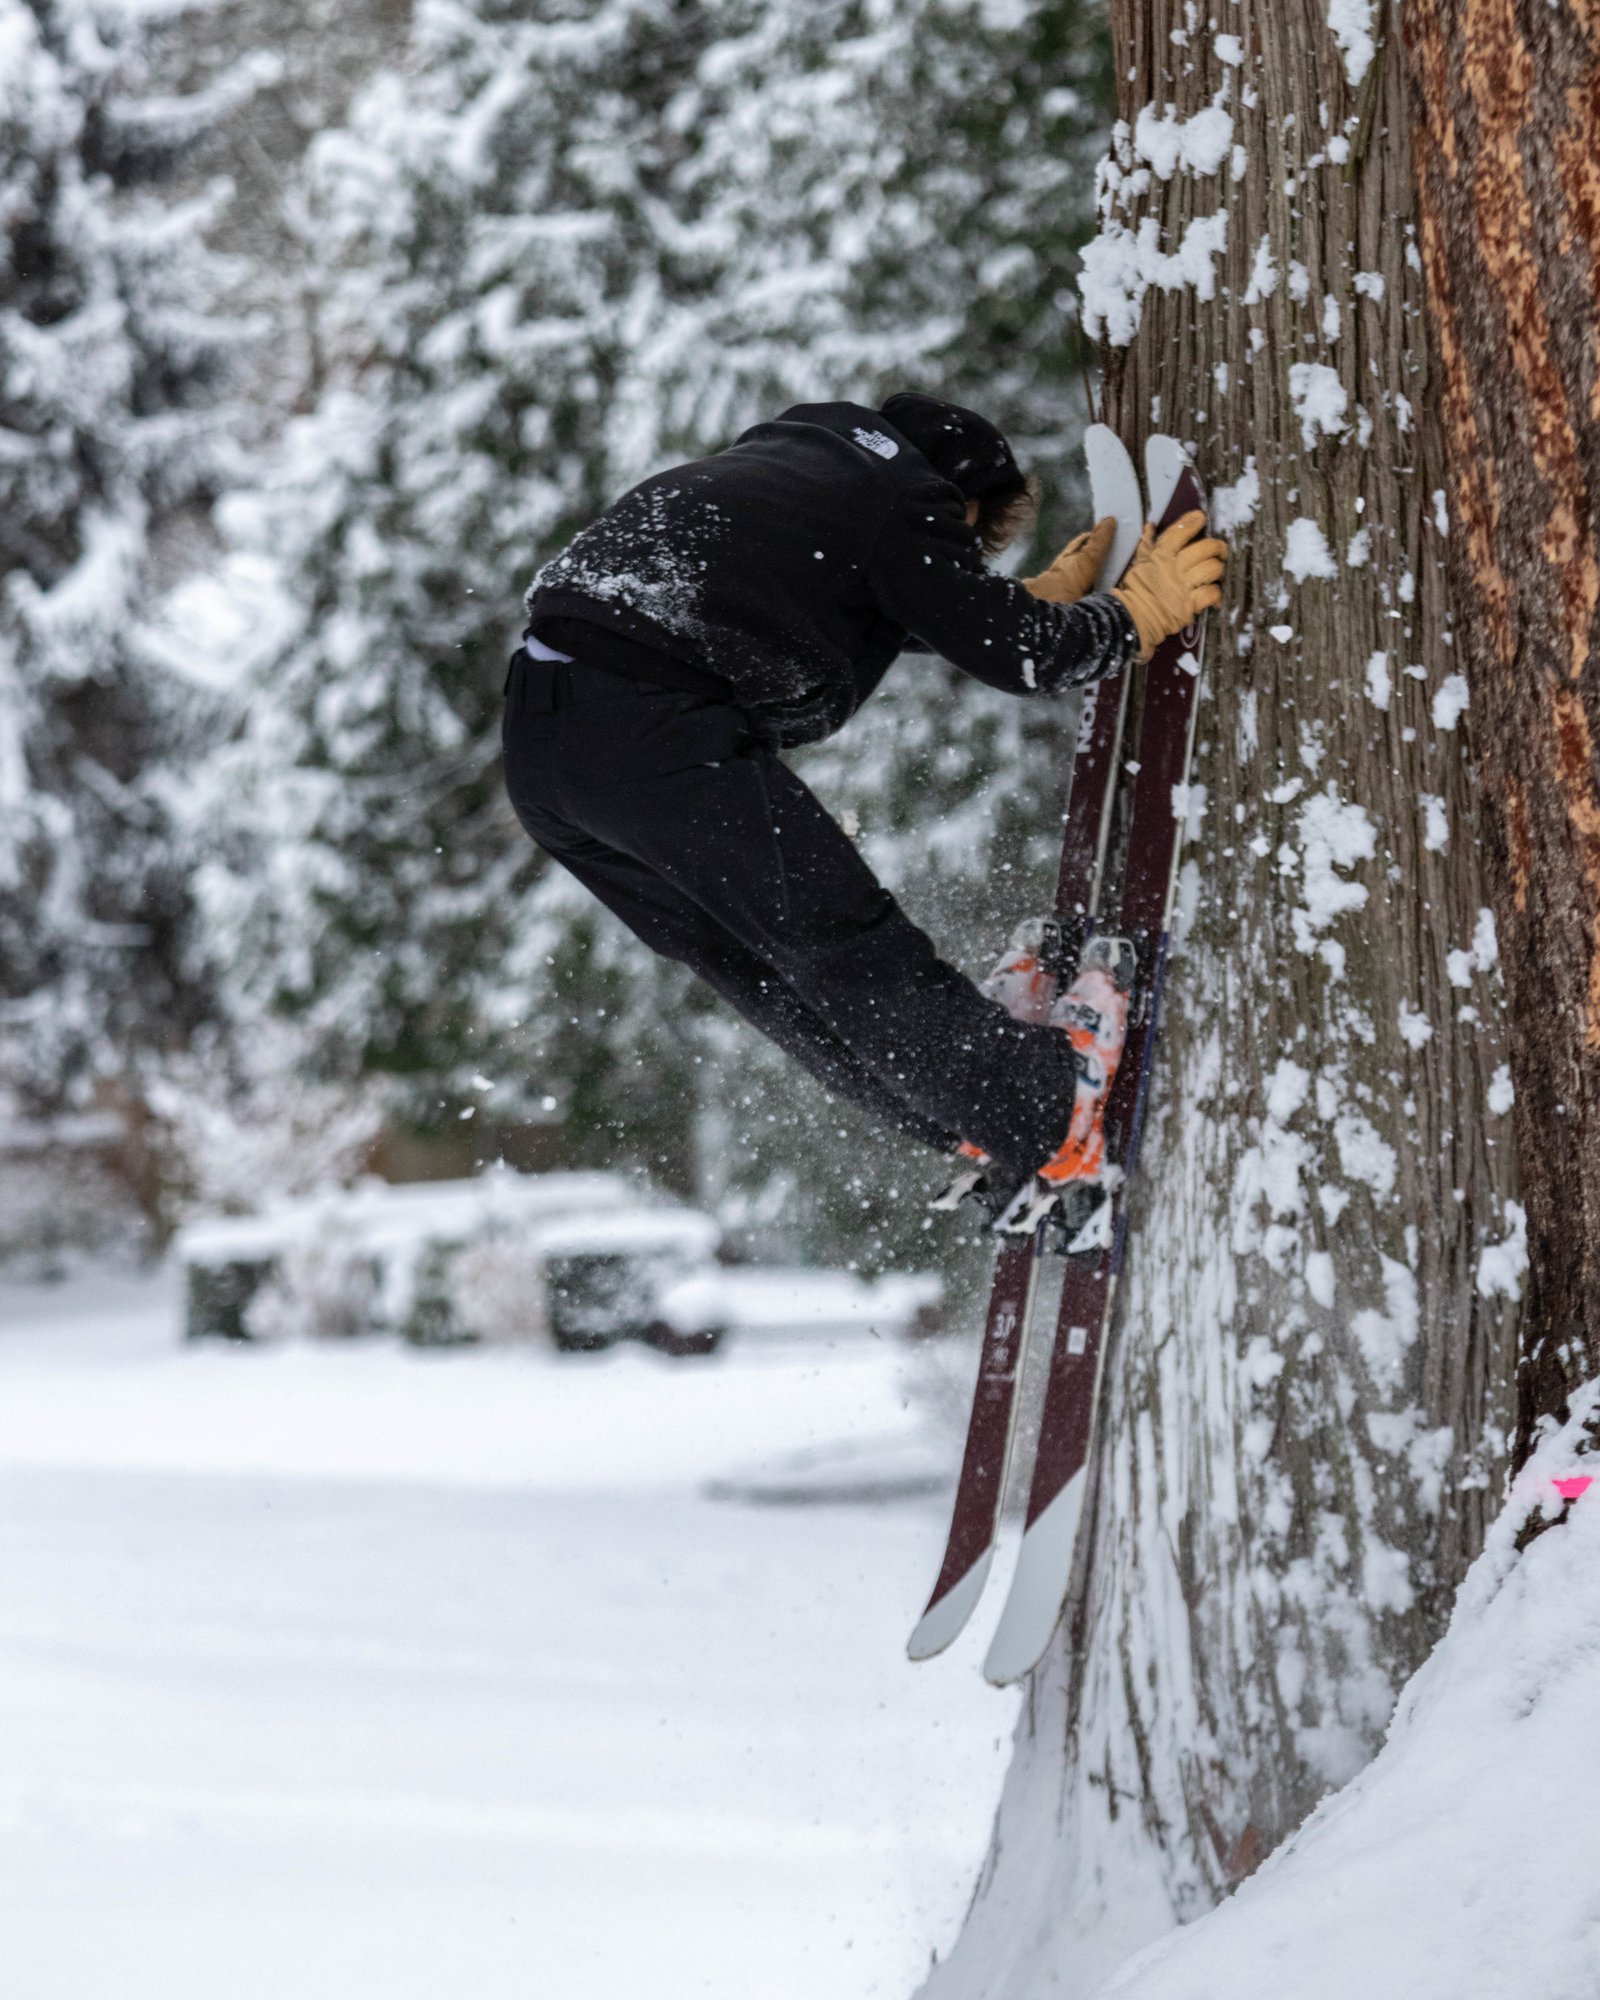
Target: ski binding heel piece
1092, 1233
1023, 979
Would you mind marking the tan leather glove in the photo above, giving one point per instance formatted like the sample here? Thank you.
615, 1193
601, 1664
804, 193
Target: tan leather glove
1172, 579
1072, 574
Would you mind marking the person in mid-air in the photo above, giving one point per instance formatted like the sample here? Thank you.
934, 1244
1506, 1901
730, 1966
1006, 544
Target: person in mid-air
726, 610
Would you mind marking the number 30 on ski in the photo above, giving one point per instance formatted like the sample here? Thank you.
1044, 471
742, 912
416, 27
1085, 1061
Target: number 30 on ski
1103, 952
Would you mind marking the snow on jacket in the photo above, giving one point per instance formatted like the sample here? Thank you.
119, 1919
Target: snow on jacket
787, 572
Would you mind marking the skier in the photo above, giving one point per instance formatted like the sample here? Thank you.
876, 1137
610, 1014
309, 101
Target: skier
731, 608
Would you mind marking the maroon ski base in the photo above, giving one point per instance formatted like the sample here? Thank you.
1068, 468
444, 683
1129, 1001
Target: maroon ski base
1029, 1269
1072, 1389
980, 1487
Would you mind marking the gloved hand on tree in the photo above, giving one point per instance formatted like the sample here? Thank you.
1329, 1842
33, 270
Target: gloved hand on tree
1172, 579
1072, 574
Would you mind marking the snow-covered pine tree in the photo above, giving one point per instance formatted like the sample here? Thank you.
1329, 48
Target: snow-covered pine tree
321, 52
557, 253
1307, 1392
114, 367
482, 242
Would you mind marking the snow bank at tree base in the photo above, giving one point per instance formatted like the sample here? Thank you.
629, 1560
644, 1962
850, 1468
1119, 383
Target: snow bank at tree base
1464, 1864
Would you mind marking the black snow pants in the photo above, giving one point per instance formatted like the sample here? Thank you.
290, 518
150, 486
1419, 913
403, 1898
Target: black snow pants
712, 851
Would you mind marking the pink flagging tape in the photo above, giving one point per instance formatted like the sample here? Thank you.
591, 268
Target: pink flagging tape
1573, 1489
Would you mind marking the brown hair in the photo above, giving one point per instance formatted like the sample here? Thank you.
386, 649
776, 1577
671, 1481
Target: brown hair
1003, 515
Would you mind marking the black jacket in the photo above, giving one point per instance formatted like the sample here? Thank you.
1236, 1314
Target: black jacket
786, 573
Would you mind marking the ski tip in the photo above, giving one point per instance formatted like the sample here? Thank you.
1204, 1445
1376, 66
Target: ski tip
1021, 1638
1038, 1589
1014, 1654
1165, 463
948, 1611
1114, 486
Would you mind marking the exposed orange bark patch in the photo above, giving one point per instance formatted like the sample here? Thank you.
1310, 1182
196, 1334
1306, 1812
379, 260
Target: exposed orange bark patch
1436, 74
1575, 761
1517, 840
1246, 1855
1576, 774
1499, 76
1579, 167
1510, 235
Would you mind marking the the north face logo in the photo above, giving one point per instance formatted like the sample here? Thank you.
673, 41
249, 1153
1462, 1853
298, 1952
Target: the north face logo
876, 441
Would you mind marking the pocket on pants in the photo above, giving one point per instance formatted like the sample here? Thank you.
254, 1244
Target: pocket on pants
530, 711
529, 750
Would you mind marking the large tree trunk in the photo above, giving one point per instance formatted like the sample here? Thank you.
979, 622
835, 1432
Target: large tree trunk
1507, 149
1304, 1421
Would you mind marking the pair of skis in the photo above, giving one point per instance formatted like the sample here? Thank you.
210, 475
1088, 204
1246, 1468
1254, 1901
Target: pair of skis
1064, 1263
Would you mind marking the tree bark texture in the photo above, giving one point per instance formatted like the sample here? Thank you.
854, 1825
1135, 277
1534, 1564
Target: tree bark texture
1307, 1396
1506, 143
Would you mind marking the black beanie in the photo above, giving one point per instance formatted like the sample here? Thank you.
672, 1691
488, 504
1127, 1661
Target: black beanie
969, 451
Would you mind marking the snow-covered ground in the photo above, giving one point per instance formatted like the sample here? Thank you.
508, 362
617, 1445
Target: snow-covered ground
1464, 1864
393, 1675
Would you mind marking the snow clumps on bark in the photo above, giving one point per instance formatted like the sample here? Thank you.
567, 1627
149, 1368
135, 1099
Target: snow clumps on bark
1351, 22
1121, 264
1306, 552
1320, 400
1333, 836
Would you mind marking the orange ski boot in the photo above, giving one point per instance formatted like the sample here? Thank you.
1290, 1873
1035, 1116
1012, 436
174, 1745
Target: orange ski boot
1094, 1012
1023, 984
